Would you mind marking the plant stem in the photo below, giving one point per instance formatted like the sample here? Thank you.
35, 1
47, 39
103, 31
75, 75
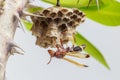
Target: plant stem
8, 25
58, 3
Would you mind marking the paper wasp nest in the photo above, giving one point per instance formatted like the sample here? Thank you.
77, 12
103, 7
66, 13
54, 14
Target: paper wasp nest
57, 23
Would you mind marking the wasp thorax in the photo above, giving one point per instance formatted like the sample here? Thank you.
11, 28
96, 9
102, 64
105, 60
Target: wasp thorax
54, 24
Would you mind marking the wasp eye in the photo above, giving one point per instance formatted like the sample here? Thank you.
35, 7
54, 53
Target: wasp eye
77, 48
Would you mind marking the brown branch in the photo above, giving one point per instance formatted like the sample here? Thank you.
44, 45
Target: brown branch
8, 24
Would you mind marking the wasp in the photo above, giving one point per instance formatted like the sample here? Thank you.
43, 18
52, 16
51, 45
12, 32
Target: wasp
73, 51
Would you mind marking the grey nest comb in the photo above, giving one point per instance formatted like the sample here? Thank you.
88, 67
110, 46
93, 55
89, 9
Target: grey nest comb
57, 23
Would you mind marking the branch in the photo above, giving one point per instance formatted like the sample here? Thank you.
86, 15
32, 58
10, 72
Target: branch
8, 25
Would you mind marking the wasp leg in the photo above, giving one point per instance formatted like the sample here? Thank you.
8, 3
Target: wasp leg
61, 42
68, 49
49, 60
58, 48
74, 62
78, 55
51, 52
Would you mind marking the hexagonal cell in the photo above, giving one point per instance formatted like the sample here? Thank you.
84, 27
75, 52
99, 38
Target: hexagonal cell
62, 27
49, 20
69, 14
76, 11
65, 19
83, 20
78, 20
41, 18
60, 14
64, 10
76, 24
83, 15
46, 12
73, 17
43, 24
57, 20
80, 13
53, 15
71, 23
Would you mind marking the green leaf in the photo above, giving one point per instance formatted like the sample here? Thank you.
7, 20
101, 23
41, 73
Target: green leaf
108, 14
67, 3
91, 49
27, 24
33, 8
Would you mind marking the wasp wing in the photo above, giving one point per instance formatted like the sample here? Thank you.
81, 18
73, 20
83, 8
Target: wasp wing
74, 62
77, 54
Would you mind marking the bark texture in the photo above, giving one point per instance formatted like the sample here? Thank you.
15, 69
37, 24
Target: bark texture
9, 17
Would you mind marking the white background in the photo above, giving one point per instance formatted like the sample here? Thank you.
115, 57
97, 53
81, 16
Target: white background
32, 65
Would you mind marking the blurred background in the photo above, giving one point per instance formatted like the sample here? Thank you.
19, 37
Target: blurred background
33, 64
